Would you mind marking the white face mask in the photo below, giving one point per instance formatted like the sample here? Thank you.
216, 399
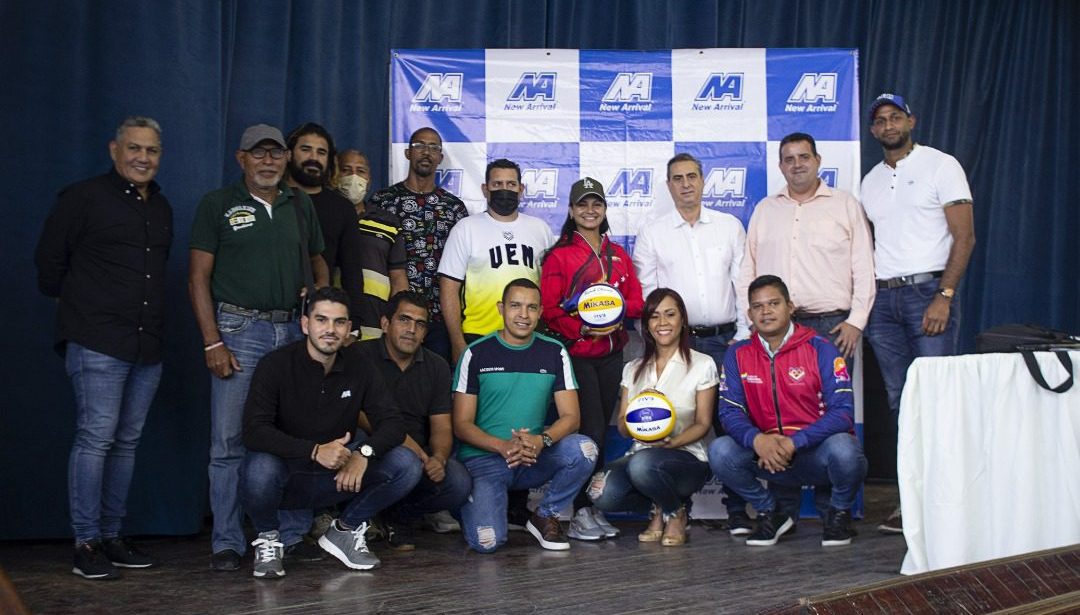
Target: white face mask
354, 187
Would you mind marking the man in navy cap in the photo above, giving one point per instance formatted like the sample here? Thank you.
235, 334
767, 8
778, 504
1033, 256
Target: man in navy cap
919, 203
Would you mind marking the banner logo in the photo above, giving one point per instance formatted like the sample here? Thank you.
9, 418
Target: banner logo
541, 187
726, 185
628, 92
828, 175
533, 91
815, 93
631, 187
441, 90
720, 92
449, 179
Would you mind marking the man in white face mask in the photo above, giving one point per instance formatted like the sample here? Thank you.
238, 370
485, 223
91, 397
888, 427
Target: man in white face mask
373, 258
354, 177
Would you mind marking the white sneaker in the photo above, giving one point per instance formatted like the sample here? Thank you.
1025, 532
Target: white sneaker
584, 527
441, 522
610, 531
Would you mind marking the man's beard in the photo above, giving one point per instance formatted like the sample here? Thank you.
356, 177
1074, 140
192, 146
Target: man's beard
304, 178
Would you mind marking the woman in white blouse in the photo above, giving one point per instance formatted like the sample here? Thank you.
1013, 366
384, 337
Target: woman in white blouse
661, 476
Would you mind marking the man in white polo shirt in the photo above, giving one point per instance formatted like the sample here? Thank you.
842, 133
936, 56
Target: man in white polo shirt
920, 205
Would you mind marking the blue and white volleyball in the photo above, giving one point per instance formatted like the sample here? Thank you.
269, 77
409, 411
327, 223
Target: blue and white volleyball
601, 307
650, 416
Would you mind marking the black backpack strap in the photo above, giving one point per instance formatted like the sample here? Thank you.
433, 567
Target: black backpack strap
1036, 372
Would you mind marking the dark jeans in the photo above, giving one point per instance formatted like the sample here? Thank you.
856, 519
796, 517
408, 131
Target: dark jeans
269, 483
429, 496
666, 477
895, 333
437, 340
598, 394
837, 462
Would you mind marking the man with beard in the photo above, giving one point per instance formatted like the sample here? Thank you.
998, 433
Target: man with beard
311, 169
427, 214
919, 203
354, 177
102, 255
245, 278
303, 445
484, 253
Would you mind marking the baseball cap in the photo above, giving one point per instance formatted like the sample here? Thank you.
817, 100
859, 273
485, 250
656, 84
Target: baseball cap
889, 99
584, 187
259, 133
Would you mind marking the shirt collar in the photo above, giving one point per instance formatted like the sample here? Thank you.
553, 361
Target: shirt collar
301, 356
705, 217
787, 336
384, 354
823, 189
118, 181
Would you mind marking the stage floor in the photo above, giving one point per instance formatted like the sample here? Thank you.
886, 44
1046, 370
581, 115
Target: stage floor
713, 573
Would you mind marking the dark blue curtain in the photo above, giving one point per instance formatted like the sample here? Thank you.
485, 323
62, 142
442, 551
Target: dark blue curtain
991, 82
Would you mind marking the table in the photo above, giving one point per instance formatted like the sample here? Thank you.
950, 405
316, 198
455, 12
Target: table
988, 462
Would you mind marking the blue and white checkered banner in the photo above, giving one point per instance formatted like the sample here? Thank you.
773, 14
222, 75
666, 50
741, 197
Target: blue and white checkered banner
619, 116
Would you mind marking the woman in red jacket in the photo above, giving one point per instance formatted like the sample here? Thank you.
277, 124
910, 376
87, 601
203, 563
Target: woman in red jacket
584, 255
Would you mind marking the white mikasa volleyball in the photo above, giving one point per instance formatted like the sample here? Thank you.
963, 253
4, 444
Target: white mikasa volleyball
601, 307
650, 416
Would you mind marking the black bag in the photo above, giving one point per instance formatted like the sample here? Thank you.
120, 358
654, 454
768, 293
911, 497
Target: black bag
1027, 339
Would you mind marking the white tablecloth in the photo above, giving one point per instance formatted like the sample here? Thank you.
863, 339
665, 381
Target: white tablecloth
988, 462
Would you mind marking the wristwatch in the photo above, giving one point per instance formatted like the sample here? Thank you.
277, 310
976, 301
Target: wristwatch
946, 292
547, 439
366, 451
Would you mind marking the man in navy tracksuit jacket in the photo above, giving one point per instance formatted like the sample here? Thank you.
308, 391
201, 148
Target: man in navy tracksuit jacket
787, 408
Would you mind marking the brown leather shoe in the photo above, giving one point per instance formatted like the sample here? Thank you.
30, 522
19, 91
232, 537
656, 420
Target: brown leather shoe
548, 532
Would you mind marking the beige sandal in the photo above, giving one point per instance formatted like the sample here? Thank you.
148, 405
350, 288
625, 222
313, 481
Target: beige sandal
675, 529
656, 527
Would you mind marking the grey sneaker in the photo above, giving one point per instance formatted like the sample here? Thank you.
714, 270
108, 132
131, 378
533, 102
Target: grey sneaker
349, 546
268, 554
441, 522
610, 530
584, 527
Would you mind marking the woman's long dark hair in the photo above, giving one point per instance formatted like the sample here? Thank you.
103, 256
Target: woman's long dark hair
651, 303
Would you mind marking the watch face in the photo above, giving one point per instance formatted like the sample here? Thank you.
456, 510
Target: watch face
366, 450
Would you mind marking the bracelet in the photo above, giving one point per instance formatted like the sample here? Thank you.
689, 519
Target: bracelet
315, 453
213, 346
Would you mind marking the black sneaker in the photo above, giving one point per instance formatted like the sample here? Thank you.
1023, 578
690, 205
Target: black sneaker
894, 524
226, 560
399, 537
838, 529
123, 554
770, 527
739, 523
304, 551
92, 563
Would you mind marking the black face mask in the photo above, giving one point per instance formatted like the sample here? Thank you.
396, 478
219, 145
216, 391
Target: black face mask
503, 202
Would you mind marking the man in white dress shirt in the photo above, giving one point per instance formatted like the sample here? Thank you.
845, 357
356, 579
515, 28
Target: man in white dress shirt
697, 252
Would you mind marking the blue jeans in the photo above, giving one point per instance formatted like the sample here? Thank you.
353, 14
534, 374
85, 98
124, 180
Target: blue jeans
270, 483
248, 339
838, 462
666, 477
567, 464
112, 398
429, 496
822, 325
895, 333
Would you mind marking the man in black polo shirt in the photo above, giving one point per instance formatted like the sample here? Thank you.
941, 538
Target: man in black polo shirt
102, 255
245, 276
419, 380
304, 448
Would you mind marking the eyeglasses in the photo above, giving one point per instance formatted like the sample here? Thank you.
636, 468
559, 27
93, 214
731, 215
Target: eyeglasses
434, 148
277, 153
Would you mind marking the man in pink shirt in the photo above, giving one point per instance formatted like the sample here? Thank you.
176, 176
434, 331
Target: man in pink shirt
817, 239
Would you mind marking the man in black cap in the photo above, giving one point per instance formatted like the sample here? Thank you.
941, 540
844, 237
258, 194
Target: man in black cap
245, 279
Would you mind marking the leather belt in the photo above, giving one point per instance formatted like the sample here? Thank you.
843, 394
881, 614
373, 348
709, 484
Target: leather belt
274, 316
803, 314
908, 280
713, 330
